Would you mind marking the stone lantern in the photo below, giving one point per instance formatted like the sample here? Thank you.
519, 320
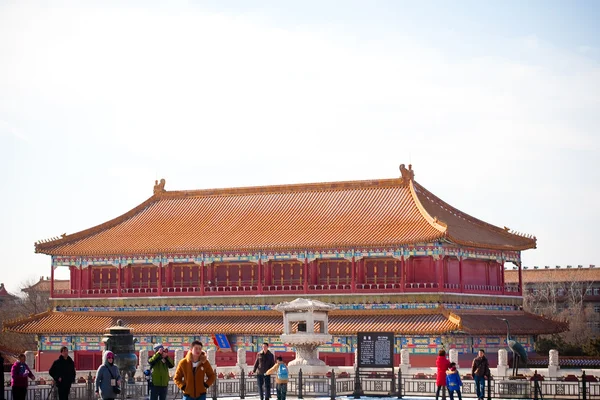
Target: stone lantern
306, 315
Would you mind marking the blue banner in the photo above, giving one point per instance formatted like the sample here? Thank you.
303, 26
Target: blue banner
221, 342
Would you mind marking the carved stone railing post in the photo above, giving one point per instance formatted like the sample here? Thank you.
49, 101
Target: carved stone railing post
241, 358
143, 362
179, 356
454, 356
553, 364
502, 363
212, 357
404, 361
30, 360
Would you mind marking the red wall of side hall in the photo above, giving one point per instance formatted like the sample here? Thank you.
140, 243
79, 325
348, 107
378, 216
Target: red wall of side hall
474, 272
452, 270
422, 269
44, 360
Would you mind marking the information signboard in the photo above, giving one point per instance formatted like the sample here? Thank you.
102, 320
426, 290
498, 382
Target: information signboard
375, 349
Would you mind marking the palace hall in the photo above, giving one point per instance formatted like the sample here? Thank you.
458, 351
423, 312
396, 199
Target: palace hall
192, 264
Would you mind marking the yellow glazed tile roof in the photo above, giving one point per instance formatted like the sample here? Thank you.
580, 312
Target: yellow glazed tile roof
224, 322
347, 322
354, 214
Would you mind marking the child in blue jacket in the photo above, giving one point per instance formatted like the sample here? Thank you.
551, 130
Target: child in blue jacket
453, 381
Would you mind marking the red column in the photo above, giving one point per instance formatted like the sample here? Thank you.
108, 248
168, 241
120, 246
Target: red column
361, 270
210, 273
202, 278
52, 281
305, 275
353, 276
159, 279
129, 275
520, 280
487, 274
80, 278
268, 274
440, 268
402, 274
314, 276
168, 273
260, 270
460, 274
119, 280
502, 278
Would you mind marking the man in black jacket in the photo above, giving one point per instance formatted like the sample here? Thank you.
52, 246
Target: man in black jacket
264, 361
480, 369
63, 373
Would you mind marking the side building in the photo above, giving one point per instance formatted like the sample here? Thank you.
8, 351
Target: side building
561, 291
187, 265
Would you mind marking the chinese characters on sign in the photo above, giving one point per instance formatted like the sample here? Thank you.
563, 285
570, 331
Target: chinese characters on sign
375, 349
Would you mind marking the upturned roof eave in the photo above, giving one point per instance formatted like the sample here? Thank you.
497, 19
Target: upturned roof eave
45, 247
527, 242
490, 246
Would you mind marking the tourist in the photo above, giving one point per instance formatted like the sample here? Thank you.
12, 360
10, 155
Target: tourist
442, 365
264, 362
480, 370
108, 377
160, 363
194, 375
281, 378
453, 381
2, 378
63, 373
19, 373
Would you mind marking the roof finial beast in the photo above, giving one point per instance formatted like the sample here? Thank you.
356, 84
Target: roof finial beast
159, 187
407, 175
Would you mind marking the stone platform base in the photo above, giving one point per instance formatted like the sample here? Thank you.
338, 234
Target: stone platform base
320, 370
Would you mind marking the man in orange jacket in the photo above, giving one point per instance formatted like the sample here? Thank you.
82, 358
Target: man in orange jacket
194, 375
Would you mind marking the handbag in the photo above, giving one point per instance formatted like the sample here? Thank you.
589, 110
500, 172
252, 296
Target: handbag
116, 389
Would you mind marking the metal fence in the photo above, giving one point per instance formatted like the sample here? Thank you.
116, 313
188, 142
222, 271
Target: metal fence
348, 385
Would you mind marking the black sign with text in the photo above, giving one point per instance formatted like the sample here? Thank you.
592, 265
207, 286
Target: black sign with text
375, 349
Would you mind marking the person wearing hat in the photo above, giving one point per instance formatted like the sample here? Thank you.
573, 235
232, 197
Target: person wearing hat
194, 375
108, 378
19, 374
160, 363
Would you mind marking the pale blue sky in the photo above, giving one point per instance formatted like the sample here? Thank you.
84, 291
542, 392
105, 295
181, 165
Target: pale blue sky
496, 104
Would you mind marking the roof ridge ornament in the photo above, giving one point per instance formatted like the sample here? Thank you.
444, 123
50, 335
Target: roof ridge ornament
159, 187
407, 175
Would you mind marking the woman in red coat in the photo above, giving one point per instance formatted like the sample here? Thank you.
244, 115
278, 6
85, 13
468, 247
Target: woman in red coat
442, 365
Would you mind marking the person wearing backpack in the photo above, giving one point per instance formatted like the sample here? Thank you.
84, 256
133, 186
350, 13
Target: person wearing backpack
160, 363
281, 377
